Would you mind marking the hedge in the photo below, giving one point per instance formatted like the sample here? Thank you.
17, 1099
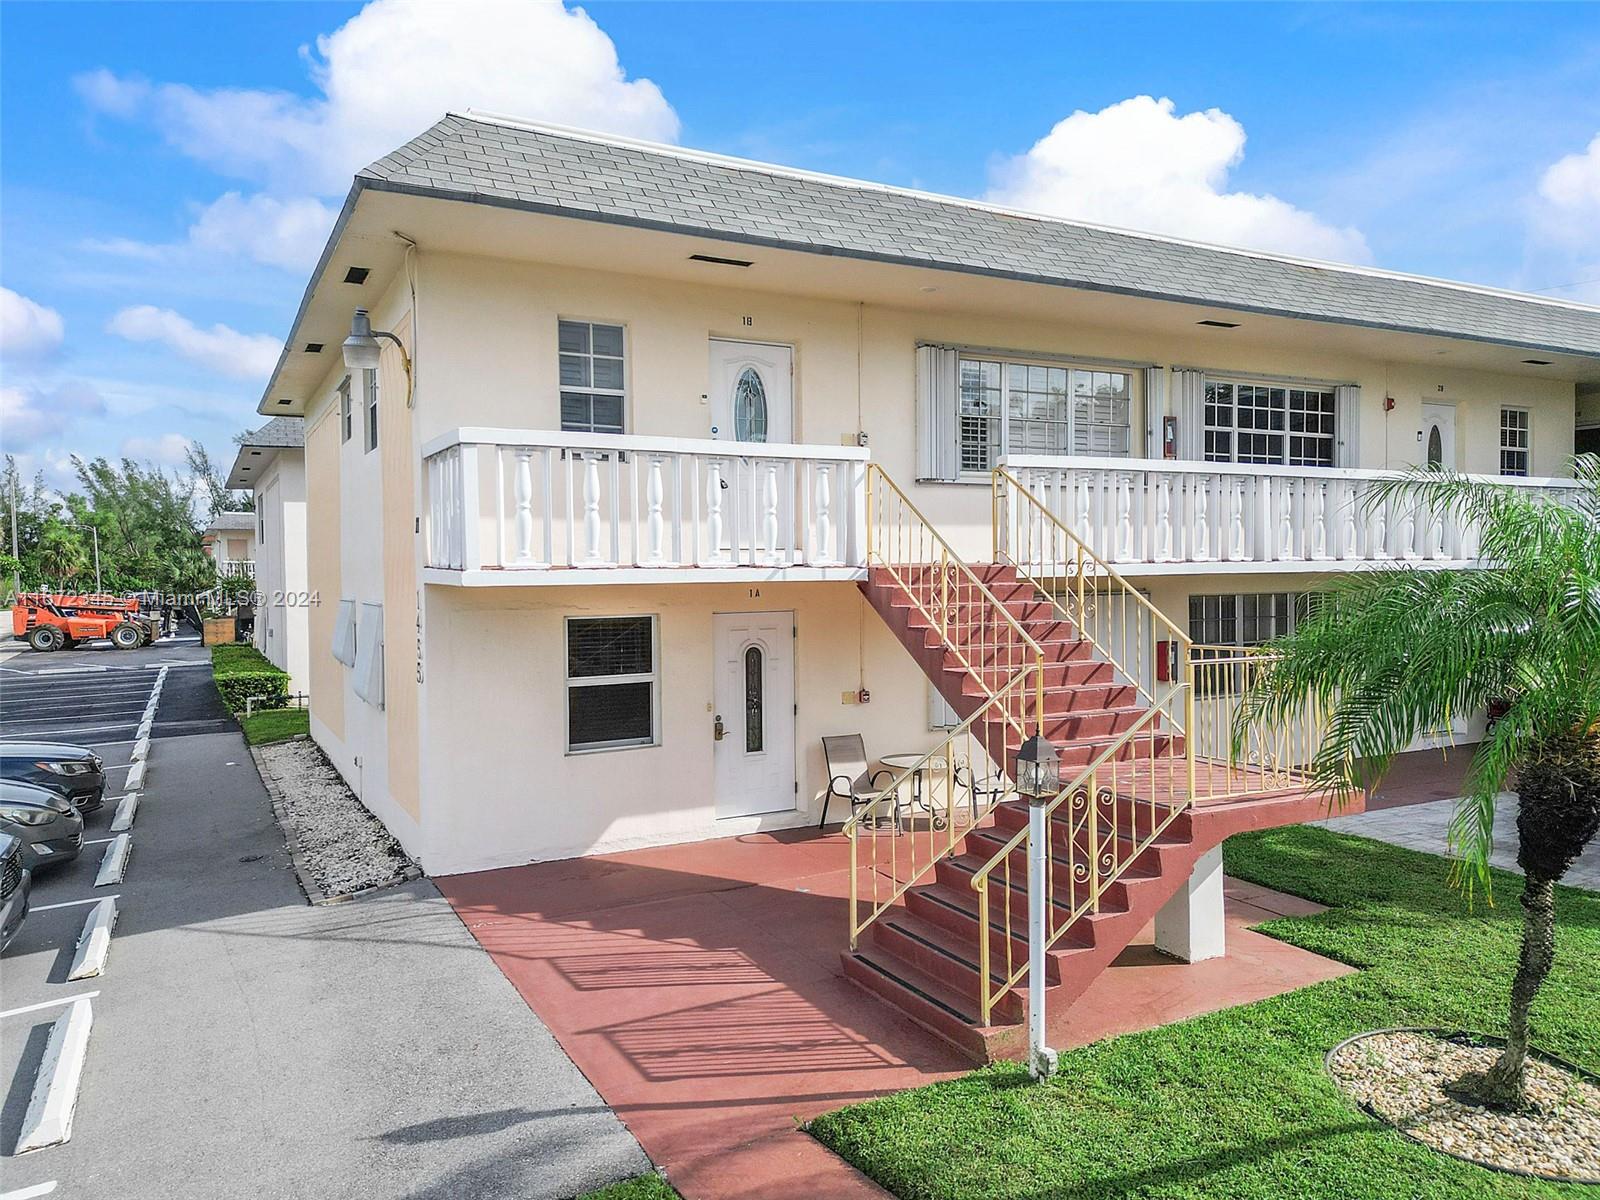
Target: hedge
242, 672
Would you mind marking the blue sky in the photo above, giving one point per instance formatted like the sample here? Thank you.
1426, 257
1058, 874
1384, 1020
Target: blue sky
167, 172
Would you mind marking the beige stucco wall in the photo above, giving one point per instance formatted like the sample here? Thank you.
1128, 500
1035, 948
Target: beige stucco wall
496, 691
468, 768
282, 615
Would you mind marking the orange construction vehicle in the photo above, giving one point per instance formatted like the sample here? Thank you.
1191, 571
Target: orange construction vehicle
49, 622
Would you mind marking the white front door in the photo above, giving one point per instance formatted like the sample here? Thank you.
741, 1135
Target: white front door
752, 391
754, 702
1439, 435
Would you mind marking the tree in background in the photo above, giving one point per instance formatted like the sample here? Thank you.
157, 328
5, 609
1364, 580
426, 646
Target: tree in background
1393, 653
218, 497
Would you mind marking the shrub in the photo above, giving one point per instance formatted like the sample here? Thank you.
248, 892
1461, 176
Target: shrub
241, 672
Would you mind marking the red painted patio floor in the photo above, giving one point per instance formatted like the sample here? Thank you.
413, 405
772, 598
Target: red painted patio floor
699, 989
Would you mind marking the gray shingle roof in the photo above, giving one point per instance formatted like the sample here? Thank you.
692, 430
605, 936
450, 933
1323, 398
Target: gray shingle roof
492, 162
225, 521
280, 432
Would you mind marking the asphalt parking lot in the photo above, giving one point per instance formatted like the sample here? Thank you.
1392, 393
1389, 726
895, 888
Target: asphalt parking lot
243, 1042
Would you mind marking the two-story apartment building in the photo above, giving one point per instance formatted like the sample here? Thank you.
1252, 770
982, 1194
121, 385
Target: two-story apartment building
270, 465
590, 542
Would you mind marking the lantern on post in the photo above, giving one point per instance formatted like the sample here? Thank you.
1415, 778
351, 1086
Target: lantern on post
1038, 779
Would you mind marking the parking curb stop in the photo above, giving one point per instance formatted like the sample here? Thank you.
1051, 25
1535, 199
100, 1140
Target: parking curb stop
135, 779
115, 860
48, 1121
127, 808
94, 943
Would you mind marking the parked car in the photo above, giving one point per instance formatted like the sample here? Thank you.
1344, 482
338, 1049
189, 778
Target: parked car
46, 824
15, 883
75, 772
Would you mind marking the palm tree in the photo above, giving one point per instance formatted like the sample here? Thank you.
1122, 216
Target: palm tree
1395, 652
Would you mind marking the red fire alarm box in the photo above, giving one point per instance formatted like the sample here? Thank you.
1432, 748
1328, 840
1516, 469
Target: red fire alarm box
1166, 661
1169, 437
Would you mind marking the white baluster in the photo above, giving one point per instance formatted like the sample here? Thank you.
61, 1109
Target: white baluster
1377, 526
522, 493
1081, 520
1236, 538
824, 502
1163, 547
714, 491
655, 524
1202, 519
1319, 518
592, 528
769, 511
1406, 530
1285, 495
1124, 518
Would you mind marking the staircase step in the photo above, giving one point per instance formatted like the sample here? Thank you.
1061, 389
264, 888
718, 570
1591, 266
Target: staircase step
929, 1002
939, 954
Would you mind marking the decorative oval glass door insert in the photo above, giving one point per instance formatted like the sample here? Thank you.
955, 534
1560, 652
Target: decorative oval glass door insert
1435, 447
755, 725
750, 407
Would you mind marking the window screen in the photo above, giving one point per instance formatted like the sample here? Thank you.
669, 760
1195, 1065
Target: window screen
611, 682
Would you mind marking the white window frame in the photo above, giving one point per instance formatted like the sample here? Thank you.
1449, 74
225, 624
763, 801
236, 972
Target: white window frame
1524, 431
370, 403
590, 390
1235, 431
653, 677
1006, 361
345, 422
1238, 599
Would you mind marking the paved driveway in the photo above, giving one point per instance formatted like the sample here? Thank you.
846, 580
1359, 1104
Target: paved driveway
1426, 827
247, 1044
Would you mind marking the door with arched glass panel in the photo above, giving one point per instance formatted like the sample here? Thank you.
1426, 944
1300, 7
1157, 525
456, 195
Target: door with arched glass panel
753, 719
752, 391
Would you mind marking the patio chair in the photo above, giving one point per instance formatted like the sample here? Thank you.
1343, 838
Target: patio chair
848, 777
982, 790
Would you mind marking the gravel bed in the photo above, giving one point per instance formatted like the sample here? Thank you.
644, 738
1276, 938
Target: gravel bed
341, 846
1401, 1076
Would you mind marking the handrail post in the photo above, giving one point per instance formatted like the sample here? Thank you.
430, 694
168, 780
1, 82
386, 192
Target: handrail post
1041, 1059
1188, 719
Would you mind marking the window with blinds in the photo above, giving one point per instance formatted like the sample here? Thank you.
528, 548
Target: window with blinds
1026, 408
612, 682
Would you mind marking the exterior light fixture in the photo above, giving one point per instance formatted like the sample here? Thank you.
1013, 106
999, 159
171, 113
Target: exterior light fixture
1038, 779
361, 349
1038, 769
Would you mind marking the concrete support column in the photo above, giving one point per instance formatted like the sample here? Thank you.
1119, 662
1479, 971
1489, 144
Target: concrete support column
1191, 925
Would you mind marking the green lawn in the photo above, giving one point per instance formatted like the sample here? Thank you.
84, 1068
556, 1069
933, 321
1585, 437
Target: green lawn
275, 725
1236, 1105
640, 1187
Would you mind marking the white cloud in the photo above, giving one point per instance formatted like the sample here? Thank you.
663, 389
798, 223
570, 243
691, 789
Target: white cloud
221, 349
1568, 208
1138, 165
168, 450
30, 414
386, 75
27, 327
279, 233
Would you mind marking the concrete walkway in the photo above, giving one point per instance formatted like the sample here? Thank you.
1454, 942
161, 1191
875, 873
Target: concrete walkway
246, 1044
699, 987
1426, 827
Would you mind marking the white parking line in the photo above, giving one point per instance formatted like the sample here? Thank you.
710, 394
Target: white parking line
36, 908
16, 735
94, 943
30, 1193
48, 1121
115, 861
28, 1008
97, 841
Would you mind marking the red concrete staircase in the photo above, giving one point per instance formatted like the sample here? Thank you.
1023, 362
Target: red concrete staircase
922, 954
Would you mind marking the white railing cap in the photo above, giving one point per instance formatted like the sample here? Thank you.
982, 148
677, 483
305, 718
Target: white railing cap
539, 439
1192, 467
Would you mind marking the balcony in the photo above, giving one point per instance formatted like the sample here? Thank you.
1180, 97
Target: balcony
1163, 517
527, 507
236, 568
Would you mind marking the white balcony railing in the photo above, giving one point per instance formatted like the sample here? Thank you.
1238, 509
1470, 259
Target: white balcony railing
1161, 514
526, 500
236, 568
